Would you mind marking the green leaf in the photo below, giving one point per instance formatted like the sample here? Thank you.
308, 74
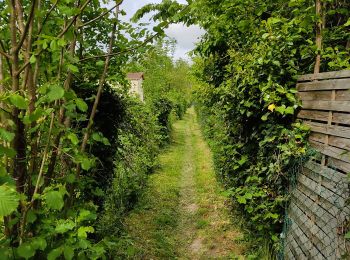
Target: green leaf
86, 164
18, 101
73, 68
39, 243
32, 59
243, 160
264, 117
68, 252
6, 136
241, 200
97, 137
281, 109
31, 217
9, 200
7, 151
55, 92
54, 200
105, 141
55, 253
289, 110
82, 231
64, 225
100, 63
86, 215
347, 23
53, 45
82, 106
73, 138
26, 251
5, 178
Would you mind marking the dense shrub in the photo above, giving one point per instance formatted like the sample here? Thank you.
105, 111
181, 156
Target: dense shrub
247, 64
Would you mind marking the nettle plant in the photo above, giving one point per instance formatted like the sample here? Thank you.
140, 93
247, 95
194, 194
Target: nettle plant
49, 50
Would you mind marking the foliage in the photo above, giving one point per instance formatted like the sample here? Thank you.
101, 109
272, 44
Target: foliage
167, 83
69, 133
247, 63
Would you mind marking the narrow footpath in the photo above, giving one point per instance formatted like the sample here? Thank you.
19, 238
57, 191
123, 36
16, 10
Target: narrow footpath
182, 214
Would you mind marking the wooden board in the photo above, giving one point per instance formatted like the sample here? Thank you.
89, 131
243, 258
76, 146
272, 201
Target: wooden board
324, 95
340, 106
326, 172
333, 84
323, 116
318, 204
339, 142
325, 75
335, 130
342, 95
334, 152
324, 243
315, 95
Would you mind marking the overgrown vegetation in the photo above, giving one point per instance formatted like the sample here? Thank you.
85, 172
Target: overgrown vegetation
75, 148
247, 66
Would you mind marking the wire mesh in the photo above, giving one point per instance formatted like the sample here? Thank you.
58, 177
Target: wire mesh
318, 215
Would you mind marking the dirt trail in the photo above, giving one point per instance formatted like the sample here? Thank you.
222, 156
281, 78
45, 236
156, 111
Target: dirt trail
182, 214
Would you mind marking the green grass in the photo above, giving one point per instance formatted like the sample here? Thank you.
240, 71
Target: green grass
182, 214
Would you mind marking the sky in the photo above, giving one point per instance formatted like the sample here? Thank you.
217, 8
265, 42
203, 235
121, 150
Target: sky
186, 37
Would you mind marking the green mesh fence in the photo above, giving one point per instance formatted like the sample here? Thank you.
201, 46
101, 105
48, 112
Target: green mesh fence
317, 218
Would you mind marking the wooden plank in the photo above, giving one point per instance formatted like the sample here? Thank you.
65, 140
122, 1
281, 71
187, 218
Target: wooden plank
322, 241
343, 95
325, 75
318, 137
313, 115
338, 117
296, 249
320, 191
326, 172
335, 84
331, 151
339, 142
307, 235
315, 95
330, 205
335, 183
288, 255
302, 240
335, 130
341, 118
328, 183
338, 164
340, 106
323, 218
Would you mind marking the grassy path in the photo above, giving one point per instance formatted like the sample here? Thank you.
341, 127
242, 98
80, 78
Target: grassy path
182, 214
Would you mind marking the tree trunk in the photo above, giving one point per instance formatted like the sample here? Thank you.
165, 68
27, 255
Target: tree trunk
318, 36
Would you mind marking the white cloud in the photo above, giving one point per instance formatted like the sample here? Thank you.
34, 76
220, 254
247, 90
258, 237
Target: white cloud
186, 37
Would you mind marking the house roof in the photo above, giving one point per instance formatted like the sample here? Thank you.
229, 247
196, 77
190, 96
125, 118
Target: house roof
135, 75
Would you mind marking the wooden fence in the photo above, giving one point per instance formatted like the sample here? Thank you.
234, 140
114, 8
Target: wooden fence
318, 215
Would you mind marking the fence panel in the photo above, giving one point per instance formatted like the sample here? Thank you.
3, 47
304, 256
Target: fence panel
318, 214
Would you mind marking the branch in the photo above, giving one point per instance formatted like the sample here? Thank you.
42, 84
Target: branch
7, 59
74, 18
26, 28
59, 36
124, 51
47, 16
132, 48
5, 55
101, 15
